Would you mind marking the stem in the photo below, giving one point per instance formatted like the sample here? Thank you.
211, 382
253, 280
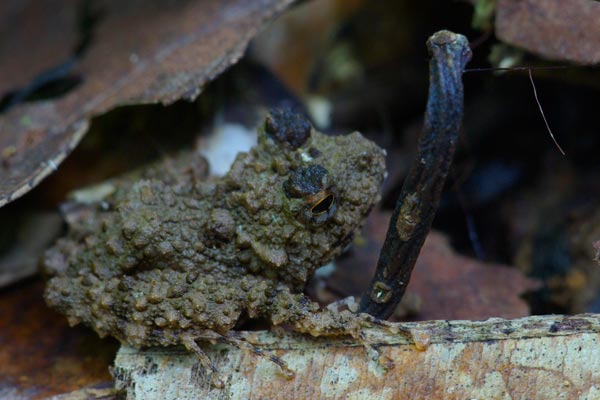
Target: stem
420, 196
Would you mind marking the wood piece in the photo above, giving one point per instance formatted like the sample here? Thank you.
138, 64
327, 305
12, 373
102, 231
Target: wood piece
420, 196
540, 357
87, 394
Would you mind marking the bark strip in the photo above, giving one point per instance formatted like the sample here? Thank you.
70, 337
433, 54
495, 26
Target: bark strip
543, 357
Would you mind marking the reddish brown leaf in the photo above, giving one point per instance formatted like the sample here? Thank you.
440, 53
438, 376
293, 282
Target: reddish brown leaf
40, 354
141, 52
449, 285
555, 29
24, 55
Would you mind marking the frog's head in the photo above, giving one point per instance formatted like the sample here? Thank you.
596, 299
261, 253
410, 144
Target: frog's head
316, 191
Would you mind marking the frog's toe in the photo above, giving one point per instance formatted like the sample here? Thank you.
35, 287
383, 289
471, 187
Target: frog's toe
241, 344
190, 343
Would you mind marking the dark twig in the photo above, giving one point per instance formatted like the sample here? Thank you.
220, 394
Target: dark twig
422, 188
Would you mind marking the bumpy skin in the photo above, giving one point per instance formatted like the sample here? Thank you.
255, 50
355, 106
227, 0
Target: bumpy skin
172, 256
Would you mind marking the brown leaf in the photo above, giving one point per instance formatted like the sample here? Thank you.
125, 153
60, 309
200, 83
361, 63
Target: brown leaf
555, 29
141, 52
40, 354
449, 285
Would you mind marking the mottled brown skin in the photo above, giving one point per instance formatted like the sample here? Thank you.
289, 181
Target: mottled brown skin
173, 257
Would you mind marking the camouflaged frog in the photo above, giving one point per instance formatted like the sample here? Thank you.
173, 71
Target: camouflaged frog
173, 257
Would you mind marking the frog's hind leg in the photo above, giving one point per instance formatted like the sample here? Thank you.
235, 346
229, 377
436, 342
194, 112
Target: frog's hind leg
231, 339
190, 343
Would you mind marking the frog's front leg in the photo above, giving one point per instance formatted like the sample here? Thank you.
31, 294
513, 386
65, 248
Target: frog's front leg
305, 316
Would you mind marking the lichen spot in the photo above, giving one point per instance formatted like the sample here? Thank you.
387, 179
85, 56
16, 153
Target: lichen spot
409, 217
381, 293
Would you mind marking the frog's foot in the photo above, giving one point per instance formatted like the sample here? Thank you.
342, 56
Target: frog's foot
231, 339
355, 327
366, 320
190, 343
348, 303
327, 322
305, 316
369, 321
393, 328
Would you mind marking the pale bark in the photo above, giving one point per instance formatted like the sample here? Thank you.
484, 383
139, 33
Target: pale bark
541, 357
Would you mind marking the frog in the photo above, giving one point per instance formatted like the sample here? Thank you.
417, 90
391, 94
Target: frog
173, 256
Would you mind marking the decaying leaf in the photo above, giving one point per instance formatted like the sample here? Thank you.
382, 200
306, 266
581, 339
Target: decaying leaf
450, 285
29, 236
555, 29
40, 355
548, 357
138, 52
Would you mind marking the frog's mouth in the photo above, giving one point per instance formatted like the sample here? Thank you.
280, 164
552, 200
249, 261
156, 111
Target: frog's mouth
338, 245
343, 241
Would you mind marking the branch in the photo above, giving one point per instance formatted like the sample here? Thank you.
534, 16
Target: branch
420, 196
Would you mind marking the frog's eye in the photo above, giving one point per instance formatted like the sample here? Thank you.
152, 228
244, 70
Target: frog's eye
323, 205
319, 207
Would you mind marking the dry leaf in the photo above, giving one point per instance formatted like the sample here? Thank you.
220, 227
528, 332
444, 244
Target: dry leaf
140, 52
30, 233
555, 29
449, 285
40, 355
